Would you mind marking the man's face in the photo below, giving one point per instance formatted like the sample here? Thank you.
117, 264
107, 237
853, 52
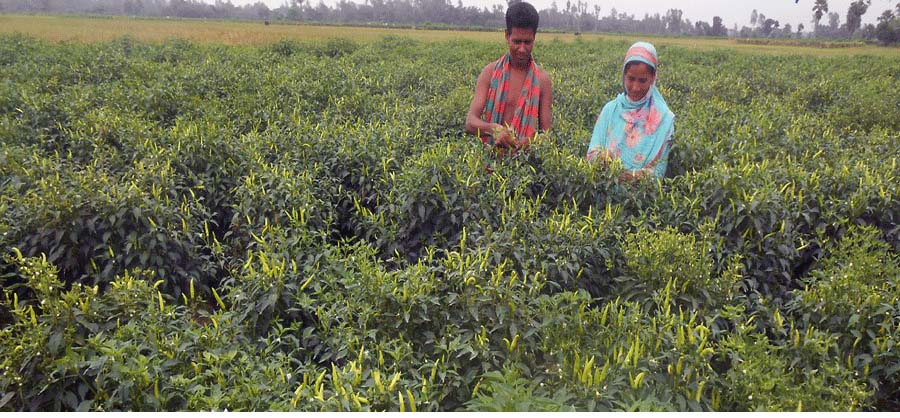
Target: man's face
520, 41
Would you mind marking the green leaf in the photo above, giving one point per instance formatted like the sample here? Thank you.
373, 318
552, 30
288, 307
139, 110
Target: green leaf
54, 342
6, 398
84, 406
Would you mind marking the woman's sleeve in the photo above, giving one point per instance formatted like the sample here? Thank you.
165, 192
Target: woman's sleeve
599, 141
663, 161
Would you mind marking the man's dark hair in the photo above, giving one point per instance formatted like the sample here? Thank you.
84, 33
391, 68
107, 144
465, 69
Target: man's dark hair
522, 15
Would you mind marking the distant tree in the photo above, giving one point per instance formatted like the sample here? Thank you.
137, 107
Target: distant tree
799, 30
260, 10
786, 30
294, 11
768, 26
888, 30
867, 32
717, 28
673, 20
854, 14
834, 21
189, 8
819, 9
753, 16
133, 7
702, 28
224, 9
153, 7
43, 6
582, 17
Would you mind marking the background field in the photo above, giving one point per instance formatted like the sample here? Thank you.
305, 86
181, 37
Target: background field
93, 29
303, 225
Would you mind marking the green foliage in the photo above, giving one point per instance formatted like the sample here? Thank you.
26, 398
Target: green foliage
799, 376
508, 392
94, 224
306, 227
129, 348
677, 263
855, 294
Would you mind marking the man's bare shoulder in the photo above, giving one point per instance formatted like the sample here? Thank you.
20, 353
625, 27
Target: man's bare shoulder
488, 69
542, 75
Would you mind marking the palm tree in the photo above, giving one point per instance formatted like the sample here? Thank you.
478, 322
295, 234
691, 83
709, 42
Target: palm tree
854, 14
819, 9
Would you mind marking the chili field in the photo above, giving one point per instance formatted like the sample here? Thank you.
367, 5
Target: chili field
304, 225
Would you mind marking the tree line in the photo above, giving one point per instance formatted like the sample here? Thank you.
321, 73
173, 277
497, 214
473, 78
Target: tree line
574, 16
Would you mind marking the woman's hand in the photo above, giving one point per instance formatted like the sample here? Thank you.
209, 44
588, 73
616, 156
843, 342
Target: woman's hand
602, 156
632, 175
628, 175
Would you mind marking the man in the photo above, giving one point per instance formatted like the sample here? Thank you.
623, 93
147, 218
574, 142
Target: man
513, 96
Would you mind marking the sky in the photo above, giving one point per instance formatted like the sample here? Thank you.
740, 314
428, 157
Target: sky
731, 11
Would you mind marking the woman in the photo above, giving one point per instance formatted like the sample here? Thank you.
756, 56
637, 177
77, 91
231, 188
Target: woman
636, 127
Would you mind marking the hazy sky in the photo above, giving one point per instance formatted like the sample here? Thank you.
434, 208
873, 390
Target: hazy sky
731, 11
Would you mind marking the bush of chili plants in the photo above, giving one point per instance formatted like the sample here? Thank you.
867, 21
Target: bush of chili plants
304, 226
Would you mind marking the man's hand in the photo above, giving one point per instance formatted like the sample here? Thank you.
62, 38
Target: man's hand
524, 144
503, 137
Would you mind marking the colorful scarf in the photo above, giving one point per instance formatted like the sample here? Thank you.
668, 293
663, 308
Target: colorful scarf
525, 120
637, 133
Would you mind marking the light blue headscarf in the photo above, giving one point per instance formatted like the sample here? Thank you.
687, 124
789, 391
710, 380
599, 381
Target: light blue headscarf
637, 133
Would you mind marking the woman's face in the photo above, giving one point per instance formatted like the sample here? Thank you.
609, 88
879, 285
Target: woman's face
638, 80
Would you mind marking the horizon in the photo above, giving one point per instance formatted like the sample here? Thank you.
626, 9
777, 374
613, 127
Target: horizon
733, 13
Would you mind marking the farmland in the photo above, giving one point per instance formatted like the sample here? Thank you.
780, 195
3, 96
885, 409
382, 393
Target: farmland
81, 29
301, 224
